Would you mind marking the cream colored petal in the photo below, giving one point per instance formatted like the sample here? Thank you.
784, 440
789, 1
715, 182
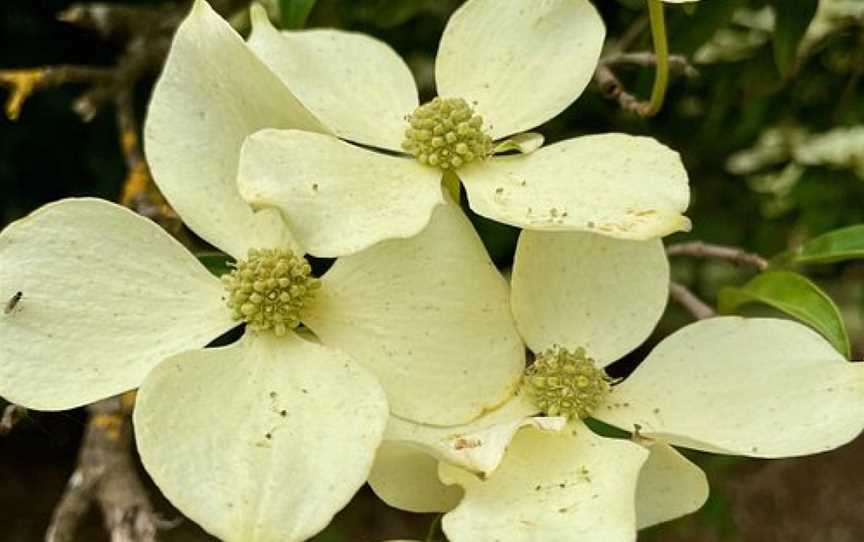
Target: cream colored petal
430, 316
261, 441
355, 84
630, 187
521, 62
526, 143
214, 92
478, 446
406, 478
577, 289
754, 387
337, 198
572, 486
670, 486
106, 296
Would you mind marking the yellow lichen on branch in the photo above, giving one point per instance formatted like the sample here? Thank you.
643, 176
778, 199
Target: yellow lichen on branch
21, 84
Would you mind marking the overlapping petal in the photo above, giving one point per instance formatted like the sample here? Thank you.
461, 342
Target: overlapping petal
430, 316
406, 477
263, 440
107, 295
478, 446
572, 486
577, 289
337, 198
214, 92
670, 486
355, 84
519, 63
753, 387
617, 185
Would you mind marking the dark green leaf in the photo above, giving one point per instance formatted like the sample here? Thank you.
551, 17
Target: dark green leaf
793, 18
215, 262
835, 246
295, 12
796, 296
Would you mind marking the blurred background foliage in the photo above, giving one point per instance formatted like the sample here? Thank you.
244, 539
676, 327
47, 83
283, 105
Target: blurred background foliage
772, 134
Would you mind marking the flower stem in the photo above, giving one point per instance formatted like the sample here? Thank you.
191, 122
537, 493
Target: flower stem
452, 185
661, 52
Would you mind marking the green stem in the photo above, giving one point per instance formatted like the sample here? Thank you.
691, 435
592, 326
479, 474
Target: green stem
452, 185
432, 534
661, 54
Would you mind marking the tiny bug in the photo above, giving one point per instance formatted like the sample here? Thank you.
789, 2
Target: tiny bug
13, 302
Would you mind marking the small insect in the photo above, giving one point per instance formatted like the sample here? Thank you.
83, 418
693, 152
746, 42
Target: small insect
13, 302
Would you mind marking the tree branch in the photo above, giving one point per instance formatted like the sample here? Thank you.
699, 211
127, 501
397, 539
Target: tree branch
690, 301
699, 249
106, 475
12, 414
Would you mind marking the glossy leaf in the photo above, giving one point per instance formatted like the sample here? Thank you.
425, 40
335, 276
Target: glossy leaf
834, 246
796, 296
295, 12
793, 18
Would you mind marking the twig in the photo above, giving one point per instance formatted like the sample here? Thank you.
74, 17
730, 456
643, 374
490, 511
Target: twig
106, 476
699, 249
12, 414
690, 301
678, 64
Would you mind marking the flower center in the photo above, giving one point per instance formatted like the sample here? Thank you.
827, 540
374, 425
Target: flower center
446, 133
566, 383
269, 288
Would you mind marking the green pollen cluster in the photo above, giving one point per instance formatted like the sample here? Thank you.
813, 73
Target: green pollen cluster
565, 383
269, 289
446, 133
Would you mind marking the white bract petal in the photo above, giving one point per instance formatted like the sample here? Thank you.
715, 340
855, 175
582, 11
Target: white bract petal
478, 446
430, 316
355, 84
754, 387
406, 478
618, 185
105, 296
576, 289
263, 440
214, 92
670, 486
521, 62
526, 143
571, 486
337, 199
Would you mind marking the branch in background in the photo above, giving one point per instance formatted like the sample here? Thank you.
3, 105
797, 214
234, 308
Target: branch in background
690, 301
699, 249
612, 87
145, 34
106, 475
12, 414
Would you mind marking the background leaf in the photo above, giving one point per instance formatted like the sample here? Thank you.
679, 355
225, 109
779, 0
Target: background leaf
793, 18
796, 296
835, 246
295, 12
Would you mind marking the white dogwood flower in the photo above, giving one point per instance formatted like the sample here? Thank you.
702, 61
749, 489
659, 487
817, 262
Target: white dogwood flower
753, 387
265, 439
502, 68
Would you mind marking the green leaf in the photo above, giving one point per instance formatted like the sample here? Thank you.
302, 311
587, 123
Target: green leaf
295, 12
216, 262
796, 296
793, 18
835, 246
